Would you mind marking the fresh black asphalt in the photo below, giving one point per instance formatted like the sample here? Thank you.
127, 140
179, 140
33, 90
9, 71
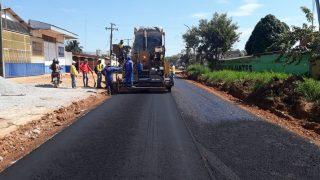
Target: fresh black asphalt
188, 134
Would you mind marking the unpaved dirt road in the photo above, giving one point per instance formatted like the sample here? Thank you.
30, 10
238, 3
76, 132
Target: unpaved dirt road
188, 134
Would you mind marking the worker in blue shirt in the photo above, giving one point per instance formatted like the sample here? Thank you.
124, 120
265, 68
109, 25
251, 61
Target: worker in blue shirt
109, 70
129, 72
139, 68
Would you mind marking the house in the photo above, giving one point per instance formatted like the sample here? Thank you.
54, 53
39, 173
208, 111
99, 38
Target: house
48, 43
16, 44
79, 58
232, 54
29, 48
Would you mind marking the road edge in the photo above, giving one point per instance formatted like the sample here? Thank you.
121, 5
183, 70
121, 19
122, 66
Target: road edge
289, 123
26, 138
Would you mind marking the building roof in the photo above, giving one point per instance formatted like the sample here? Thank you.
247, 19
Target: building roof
14, 22
83, 55
38, 25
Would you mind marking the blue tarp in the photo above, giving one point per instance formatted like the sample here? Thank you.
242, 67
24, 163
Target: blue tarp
24, 69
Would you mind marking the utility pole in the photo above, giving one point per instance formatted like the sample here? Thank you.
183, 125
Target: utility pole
111, 28
2, 65
128, 41
318, 10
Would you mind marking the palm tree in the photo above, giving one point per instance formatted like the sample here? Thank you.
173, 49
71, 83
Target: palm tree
74, 46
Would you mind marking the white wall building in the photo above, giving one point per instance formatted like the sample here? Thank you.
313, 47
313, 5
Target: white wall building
53, 43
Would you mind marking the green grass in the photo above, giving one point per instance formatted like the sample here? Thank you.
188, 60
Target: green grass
197, 70
258, 79
310, 89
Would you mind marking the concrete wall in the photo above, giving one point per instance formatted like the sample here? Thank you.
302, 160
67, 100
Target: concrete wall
16, 47
23, 69
270, 62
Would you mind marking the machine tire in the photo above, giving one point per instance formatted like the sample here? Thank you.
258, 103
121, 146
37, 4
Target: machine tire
169, 89
55, 84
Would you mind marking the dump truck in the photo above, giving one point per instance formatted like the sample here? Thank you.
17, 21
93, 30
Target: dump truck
148, 50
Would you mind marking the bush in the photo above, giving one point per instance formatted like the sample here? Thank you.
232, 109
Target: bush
310, 89
197, 70
258, 79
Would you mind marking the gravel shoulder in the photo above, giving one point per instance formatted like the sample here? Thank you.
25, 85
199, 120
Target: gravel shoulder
38, 99
29, 118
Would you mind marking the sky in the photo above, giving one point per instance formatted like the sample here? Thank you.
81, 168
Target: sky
88, 19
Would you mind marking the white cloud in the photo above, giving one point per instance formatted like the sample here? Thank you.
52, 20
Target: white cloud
201, 15
247, 9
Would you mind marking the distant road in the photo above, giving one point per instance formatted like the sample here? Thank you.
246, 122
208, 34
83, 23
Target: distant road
188, 134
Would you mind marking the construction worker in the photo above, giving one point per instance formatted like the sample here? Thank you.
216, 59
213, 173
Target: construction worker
122, 52
85, 69
121, 46
139, 68
173, 69
109, 70
98, 70
73, 73
129, 72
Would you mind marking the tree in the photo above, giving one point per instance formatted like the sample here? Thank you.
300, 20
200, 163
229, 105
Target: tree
74, 46
300, 40
266, 33
217, 36
192, 40
173, 59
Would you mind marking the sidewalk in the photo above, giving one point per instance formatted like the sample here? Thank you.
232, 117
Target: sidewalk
40, 99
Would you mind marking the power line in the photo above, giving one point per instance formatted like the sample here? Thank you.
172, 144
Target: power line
128, 41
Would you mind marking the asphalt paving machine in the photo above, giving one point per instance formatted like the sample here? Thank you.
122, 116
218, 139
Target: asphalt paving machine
149, 52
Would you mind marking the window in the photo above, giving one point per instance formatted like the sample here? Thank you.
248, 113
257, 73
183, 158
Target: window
49, 39
61, 51
37, 48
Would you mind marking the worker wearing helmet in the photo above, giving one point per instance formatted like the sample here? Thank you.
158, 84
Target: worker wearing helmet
85, 69
122, 54
109, 70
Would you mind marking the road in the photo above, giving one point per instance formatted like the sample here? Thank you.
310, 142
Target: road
188, 134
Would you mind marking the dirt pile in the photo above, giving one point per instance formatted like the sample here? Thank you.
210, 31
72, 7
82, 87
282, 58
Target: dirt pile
8, 88
182, 75
280, 96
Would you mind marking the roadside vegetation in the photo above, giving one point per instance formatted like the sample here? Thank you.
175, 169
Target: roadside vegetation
309, 88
